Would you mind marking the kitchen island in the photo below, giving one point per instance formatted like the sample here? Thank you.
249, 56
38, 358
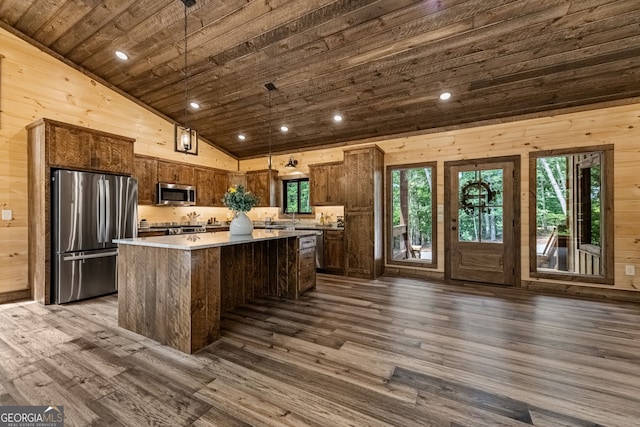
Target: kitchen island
173, 289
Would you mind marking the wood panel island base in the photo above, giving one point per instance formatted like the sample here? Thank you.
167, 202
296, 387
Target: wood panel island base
174, 288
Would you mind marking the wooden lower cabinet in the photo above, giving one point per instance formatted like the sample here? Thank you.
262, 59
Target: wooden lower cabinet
306, 264
334, 251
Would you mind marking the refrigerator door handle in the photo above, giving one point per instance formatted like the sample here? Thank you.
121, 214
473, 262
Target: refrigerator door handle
90, 256
100, 211
107, 208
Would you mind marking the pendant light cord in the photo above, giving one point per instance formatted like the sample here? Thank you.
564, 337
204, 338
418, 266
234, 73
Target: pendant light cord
186, 70
270, 130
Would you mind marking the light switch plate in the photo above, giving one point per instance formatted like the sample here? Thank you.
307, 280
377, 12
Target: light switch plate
630, 270
7, 215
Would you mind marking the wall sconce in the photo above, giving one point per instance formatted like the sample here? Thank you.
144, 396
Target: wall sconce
292, 163
186, 140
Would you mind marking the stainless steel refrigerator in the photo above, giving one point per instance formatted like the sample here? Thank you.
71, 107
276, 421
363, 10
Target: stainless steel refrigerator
89, 211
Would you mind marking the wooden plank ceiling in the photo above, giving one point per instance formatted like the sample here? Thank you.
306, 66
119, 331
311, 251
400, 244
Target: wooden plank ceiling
382, 64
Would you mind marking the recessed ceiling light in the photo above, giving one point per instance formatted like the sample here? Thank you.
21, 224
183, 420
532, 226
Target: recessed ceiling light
284, 128
120, 54
241, 137
337, 118
445, 95
194, 105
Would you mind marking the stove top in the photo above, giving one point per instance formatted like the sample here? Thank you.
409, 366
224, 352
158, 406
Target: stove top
187, 229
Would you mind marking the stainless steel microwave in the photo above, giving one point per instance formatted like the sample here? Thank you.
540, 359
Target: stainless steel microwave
176, 194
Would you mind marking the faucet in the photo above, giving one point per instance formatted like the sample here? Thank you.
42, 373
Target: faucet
293, 220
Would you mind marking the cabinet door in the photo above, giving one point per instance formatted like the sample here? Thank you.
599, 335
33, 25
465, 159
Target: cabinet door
175, 173
266, 189
306, 264
111, 154
360, 174
146, 171
326, 183
220, 186
238, 178
69, 148
359, 244
334, 251
204, 186
318, 185
336, 183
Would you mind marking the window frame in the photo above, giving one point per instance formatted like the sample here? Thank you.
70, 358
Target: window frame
607, 212
434, 215
285, 181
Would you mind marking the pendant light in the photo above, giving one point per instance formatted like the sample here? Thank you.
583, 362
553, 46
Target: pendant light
186, 138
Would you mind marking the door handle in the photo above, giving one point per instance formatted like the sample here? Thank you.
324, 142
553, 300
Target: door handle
454, 228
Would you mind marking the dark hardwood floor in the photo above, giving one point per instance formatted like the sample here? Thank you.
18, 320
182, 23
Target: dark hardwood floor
392, 351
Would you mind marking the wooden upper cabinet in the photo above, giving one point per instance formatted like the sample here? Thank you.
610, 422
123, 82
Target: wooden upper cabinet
327, 182
204, 186
176, 173
68, 147
220, 186
266, 189
363, 169
211, 184
238, 178
74, 147
145, 169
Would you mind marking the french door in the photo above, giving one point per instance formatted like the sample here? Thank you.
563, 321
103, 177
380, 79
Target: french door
482, 220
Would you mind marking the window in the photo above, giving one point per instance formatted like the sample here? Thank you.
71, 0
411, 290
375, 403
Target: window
573, 226
411, 201
296, 196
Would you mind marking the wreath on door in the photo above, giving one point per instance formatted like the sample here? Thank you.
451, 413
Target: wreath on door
476, 194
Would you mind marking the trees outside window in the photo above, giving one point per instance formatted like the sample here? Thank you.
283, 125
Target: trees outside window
296, 196
411, 204
571, 234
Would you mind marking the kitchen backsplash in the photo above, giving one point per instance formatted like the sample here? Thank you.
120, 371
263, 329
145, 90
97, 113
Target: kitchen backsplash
179, 214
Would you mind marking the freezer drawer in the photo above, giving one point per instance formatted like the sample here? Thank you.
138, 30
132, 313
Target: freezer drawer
86, 274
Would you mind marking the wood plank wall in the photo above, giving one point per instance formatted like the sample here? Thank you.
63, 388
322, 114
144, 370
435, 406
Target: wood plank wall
36, 85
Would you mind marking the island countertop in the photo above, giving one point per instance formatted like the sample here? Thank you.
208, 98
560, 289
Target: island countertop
209, 240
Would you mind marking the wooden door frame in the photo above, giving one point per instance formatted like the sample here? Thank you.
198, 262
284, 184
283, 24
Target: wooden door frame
516, 213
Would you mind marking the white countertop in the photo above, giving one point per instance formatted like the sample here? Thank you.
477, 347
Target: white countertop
209, 240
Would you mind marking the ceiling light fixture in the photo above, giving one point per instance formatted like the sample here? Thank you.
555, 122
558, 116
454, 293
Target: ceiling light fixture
186, 138
284, 128
241, 137
445, 96
337, 118
194, 105
120, 54
292, 164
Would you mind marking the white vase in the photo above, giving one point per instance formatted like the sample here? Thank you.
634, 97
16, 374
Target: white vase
241, 224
